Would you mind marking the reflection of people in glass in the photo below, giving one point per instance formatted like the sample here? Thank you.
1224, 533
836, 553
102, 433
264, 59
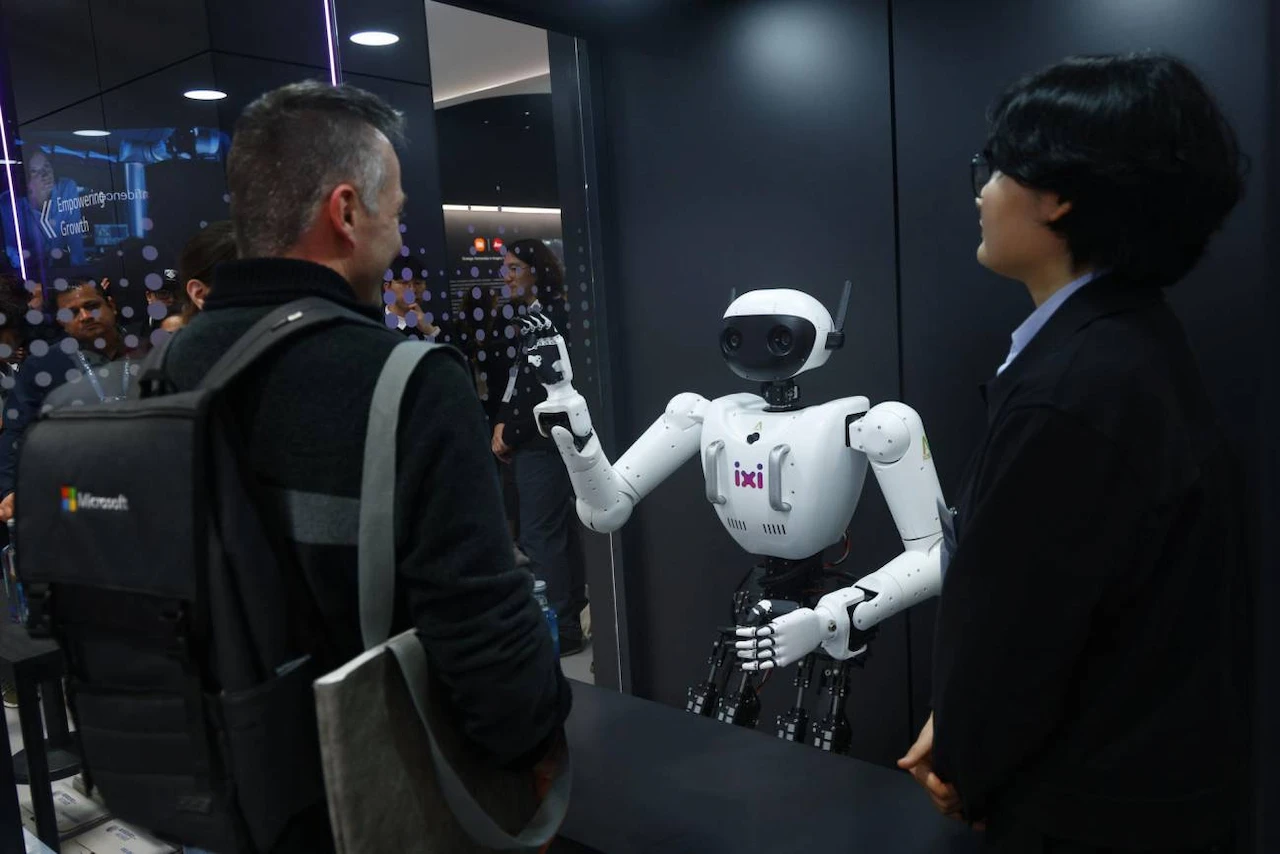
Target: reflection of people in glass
548, 522
93, 339
212, 245
401, 296
43, 186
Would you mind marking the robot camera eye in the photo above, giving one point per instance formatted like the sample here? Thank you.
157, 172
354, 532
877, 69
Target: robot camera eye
780, 340
731, 340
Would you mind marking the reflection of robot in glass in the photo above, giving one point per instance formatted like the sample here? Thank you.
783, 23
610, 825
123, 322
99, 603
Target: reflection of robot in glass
785, 480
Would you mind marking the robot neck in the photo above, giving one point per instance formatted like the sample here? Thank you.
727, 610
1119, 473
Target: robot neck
781, 395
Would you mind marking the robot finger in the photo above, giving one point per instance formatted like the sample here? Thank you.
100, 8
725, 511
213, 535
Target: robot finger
758, 665
756, 654
755, 643
754, 631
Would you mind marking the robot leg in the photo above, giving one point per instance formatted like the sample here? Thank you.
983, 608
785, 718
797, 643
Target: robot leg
704, 698
741, 708
833, 733
794, 725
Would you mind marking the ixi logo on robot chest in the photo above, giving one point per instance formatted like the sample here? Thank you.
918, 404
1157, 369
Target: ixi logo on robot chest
748, 479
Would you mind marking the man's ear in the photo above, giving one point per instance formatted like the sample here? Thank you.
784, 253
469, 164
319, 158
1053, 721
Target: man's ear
341, 209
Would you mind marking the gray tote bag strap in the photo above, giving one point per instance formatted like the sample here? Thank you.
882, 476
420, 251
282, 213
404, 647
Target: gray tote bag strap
377, 586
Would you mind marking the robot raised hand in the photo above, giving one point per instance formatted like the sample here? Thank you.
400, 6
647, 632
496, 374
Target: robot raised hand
602, 502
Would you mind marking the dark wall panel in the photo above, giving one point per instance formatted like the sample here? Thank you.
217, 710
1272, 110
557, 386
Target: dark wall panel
755, 153
951, 59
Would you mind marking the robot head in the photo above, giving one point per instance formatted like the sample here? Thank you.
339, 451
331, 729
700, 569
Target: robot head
776, 335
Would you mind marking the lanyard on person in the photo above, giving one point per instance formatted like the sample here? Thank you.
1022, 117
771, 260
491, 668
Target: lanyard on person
97, 386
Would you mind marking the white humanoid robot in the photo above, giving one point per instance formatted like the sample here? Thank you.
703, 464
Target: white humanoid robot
785, 480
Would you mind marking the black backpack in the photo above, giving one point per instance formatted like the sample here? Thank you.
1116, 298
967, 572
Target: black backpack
190, 636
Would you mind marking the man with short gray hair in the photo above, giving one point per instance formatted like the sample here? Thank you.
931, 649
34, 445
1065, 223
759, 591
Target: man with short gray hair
315, 203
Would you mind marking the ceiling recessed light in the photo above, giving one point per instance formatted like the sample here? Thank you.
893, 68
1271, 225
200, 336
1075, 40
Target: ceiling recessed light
374, 38
204, 94
92, 132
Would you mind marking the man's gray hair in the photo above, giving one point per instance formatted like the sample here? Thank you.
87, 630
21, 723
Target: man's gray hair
292, 146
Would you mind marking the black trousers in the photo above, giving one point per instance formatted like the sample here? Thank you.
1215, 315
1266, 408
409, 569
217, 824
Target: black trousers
549, 532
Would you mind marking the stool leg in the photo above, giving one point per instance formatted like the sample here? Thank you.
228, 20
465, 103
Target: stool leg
55, 713
37, 763
11, 841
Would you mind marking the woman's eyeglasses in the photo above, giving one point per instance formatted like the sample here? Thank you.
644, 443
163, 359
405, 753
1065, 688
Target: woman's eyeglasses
980, 172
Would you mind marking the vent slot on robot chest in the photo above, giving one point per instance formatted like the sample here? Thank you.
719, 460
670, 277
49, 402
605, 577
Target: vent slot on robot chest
775, 530
736, 524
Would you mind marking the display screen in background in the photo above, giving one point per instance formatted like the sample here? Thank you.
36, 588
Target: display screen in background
120, 205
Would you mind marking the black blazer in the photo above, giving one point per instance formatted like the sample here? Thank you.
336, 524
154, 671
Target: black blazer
1091, 644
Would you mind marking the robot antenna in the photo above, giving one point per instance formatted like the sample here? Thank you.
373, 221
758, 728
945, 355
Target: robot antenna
835, 338
733, 294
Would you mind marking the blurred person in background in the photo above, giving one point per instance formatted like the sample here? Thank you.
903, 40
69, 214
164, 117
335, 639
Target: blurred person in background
548, 522
90, 340
213, 245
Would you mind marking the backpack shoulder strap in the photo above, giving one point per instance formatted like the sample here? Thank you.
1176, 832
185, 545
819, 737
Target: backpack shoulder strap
279, 325
376, 563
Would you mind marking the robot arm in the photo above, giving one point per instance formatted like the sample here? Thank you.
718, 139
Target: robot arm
893, 438
606, 492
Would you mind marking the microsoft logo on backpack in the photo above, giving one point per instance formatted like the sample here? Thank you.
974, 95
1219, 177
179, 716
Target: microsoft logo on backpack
75, 500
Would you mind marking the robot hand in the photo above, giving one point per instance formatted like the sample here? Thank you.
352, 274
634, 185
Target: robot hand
564, 407
790, 634
793, 632
544, 348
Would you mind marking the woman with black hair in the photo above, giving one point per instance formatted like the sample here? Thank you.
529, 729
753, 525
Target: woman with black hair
547, 520
1090, 661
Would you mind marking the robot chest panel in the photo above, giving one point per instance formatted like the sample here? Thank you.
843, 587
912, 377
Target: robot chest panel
783, 483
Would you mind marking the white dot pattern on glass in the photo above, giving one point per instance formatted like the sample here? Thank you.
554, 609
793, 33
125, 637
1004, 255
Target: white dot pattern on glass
5, 351
480, 336
127, 311
57, 254
157, 311
34, 317
150, 253
478, 314
100, 343
39, 348
147, 224
511, 352
64, 314
406, 274
510, 332
60, 284
482, 355
204, 223
158, 337
12, 414
388, 297
43, 379
7, 382
387, 275
73, 376
153, 281
131, 341
391, 321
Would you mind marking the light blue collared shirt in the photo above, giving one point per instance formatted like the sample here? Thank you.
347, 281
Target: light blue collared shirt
1032, 325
